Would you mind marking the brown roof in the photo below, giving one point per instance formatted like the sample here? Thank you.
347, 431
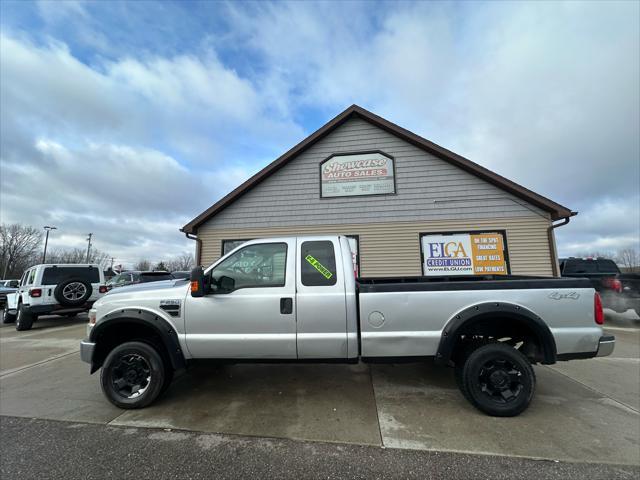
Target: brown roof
556, 210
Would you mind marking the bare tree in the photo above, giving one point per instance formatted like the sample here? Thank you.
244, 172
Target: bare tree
78, 255
142, 265
629, 259
19, 248
182, 262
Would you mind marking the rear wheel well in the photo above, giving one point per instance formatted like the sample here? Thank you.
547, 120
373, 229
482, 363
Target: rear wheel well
498, 328
127, 331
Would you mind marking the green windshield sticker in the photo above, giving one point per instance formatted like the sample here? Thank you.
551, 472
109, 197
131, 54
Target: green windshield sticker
319, 267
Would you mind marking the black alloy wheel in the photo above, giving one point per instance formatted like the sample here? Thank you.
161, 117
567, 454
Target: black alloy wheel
133, 375
498, 380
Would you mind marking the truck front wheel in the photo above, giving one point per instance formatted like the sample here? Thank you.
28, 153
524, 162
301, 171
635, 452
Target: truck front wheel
498, 380
133, 375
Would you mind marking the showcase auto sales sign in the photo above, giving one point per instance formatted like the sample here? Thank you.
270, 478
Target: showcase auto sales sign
357, 174
464, 254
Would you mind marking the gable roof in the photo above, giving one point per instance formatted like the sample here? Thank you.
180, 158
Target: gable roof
556, 210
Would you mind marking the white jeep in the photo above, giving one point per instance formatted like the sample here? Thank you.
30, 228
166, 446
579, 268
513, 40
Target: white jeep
62, 289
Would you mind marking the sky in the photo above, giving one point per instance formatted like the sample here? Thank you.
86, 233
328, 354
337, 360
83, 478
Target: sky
127, 119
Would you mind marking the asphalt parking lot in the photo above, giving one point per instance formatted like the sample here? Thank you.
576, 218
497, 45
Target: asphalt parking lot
585, 411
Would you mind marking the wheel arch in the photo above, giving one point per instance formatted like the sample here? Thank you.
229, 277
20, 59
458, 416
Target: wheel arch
139, 325
509, 316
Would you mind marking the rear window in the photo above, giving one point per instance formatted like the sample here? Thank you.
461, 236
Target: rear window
318, 264
155, 276
54, 275
590, 266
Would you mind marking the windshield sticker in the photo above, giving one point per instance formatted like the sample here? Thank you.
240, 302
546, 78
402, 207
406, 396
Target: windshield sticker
318, 266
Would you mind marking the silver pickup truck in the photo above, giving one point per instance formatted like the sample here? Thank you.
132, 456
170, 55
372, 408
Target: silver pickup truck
296, 299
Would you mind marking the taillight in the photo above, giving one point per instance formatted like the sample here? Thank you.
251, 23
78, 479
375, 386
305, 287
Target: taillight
613, 283
35, 292
103, 289
598, 313
92, 317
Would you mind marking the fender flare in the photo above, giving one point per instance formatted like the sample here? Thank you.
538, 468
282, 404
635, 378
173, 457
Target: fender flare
161, 327
486, 310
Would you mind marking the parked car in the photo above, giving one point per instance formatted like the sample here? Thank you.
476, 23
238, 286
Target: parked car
9, 283
134, 277
620, 291
4, 291
60, 289
296, 299
181, 275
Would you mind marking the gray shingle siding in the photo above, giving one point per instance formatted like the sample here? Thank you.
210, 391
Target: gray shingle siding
427, 187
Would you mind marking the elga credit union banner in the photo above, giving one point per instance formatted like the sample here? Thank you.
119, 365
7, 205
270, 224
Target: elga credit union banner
360, 174
464, 254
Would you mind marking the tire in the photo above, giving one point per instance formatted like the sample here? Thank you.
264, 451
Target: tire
72, 292
498, 380
24, 318
7, 317
131, 365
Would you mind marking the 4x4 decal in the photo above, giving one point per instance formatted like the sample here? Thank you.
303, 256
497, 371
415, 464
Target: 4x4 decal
318, 266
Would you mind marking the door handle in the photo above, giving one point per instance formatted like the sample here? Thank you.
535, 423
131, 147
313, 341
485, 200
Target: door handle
286, 306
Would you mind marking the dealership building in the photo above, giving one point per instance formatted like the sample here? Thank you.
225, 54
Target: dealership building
409, 206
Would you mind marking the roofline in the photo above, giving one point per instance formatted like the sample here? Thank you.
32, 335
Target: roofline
557, 211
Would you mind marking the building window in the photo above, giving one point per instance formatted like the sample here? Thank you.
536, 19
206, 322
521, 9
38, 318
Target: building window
228, 245
318, 264
464, 253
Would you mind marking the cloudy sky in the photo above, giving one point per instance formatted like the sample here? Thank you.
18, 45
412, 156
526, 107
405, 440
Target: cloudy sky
126, 119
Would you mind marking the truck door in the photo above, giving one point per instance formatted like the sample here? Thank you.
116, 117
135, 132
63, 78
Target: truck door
321, 311
251, 311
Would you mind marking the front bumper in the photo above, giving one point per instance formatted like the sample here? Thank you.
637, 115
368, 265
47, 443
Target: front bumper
86, 351
606, 345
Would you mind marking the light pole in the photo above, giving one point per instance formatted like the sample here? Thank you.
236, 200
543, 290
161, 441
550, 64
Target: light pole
46, 240
89, 246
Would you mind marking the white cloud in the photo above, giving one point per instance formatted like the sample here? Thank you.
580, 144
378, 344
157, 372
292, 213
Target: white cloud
543, 93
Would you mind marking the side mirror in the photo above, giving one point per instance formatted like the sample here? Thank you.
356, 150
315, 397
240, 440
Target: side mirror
198, 287
226, 284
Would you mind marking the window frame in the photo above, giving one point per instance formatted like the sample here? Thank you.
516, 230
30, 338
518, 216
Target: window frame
284, 278
335, 264
222, 242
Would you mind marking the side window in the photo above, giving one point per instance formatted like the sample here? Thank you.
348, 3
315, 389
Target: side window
32, 277
23, 280
260, 265
318, 264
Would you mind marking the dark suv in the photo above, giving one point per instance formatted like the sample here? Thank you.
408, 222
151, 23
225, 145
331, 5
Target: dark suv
619, 291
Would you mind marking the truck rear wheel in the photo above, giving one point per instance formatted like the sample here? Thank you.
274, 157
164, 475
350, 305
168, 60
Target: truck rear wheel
133, 375
498, 380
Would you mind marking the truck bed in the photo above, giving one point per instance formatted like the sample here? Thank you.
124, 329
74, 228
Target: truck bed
411, 314
466, 282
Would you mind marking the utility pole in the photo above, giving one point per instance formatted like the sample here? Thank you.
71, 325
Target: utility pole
46, 241
89, 246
